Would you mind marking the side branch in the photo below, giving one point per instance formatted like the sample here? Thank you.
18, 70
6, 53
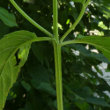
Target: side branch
77, 21
39, 39
71, 42
30, 19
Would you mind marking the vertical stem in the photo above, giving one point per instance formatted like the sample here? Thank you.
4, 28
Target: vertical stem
77, 20
58, 72
55, 19
57, 56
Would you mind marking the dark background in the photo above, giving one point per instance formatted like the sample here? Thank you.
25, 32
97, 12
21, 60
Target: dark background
83, 88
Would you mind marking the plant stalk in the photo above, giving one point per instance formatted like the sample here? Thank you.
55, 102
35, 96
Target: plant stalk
57, 57
58, 73
55, 20
76, 22
30, 19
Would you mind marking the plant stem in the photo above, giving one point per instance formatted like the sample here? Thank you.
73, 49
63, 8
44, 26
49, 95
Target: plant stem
57, 57
71, 42
58, 73
30, 19
76, 22
55, 19
42, 39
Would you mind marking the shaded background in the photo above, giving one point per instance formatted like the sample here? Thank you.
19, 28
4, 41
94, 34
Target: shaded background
86, 76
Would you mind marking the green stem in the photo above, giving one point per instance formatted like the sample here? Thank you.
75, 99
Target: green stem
71, 42
42, 39
30, 19
76, 22
58, 72
57, 57
55, 19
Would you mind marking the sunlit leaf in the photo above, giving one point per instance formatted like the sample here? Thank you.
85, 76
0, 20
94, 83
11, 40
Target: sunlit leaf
14, 50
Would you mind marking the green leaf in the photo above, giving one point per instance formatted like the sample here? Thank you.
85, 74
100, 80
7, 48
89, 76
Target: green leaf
101, 43
88, 54
97, 101
41, 79
7, 18
26, 85
82, 105
14, 50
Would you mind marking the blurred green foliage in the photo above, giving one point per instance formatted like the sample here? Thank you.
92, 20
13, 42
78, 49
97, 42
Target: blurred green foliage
83, 85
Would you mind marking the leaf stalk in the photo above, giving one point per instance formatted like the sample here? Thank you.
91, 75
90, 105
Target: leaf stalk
30, 19
76, 22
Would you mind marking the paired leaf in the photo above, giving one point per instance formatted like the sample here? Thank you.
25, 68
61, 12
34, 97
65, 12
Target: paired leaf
101, 43
7, 18
14, 50
88, 54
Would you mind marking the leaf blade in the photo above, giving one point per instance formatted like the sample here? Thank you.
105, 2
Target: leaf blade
101, 43
14, 46
7, 18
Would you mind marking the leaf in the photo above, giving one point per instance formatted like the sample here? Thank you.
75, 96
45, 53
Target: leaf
88, 54
7, 18
101, 43
14, 50
82, 105
103, 6
41, 79
26, 85
97, 101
